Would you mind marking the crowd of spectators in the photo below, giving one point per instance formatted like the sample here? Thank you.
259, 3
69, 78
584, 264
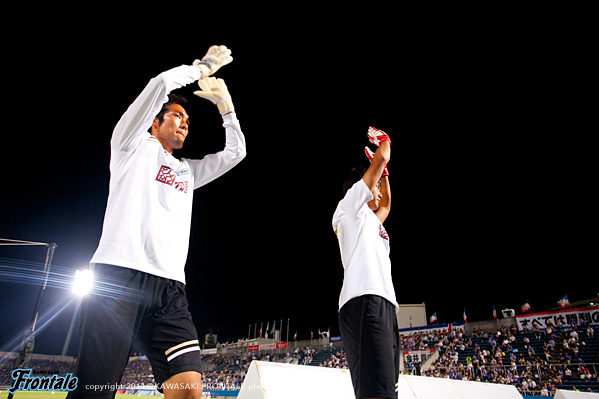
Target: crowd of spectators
227, 371
486, 360
570, 367
338, 360
536, 361
137, 372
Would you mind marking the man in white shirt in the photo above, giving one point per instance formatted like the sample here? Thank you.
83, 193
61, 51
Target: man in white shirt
367, 304
139, 266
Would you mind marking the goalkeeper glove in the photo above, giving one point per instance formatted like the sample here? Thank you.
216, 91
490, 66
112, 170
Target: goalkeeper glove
215, 90
376, 136
215, 58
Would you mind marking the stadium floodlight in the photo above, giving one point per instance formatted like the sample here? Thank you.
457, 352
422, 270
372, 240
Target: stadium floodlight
83, 282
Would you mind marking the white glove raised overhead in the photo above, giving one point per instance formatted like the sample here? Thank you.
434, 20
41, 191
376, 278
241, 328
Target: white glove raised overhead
215, 58
215, 90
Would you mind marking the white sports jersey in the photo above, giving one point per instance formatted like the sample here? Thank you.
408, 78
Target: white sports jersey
364, 245
148, 214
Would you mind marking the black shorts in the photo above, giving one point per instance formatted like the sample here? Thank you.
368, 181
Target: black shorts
128, 306
370, 335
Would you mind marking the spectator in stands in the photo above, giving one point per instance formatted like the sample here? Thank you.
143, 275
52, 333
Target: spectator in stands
532, 384
524, 388
531, 351
538, 332
544, 390
550, 327
568, 372
584, 373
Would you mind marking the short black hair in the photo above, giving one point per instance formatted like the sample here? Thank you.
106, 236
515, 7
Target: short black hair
356, 173
172, 99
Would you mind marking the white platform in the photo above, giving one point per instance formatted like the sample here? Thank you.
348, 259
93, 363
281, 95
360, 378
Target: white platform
560, 394
416, 387
266, 380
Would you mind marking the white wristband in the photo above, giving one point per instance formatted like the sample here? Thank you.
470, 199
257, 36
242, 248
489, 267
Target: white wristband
222, 100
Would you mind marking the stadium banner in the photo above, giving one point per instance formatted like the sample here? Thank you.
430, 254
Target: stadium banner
565, 317
432, 329
278, 345
417, 356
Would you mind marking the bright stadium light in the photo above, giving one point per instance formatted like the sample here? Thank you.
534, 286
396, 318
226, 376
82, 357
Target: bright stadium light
83, 282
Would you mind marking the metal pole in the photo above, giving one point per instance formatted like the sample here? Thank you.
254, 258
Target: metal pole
29, 338
47, 266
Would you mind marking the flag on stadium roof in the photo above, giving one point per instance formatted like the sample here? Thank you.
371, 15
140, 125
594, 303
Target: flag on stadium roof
563, 302
433, 318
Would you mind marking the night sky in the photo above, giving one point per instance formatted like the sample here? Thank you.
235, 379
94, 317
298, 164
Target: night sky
491, 181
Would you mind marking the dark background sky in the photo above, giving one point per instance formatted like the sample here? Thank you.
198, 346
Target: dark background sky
491, 168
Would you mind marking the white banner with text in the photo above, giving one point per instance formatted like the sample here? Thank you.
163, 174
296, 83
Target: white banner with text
564, 318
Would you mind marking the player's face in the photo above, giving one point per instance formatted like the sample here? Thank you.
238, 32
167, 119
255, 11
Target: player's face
373, 204
174, 128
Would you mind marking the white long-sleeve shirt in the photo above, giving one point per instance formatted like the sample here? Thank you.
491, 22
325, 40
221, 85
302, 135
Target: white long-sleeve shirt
148, 214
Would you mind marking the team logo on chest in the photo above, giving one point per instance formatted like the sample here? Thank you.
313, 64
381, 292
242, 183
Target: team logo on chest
168, 176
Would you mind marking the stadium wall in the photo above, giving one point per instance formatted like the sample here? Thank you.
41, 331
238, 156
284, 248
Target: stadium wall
417, 313
489, 325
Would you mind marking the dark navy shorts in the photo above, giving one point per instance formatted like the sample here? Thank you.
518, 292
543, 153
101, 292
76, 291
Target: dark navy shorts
370, 335
128, 306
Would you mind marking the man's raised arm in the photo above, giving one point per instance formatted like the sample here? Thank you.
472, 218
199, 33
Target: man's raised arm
140, 114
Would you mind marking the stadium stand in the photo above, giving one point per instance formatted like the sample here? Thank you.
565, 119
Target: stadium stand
534, 361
